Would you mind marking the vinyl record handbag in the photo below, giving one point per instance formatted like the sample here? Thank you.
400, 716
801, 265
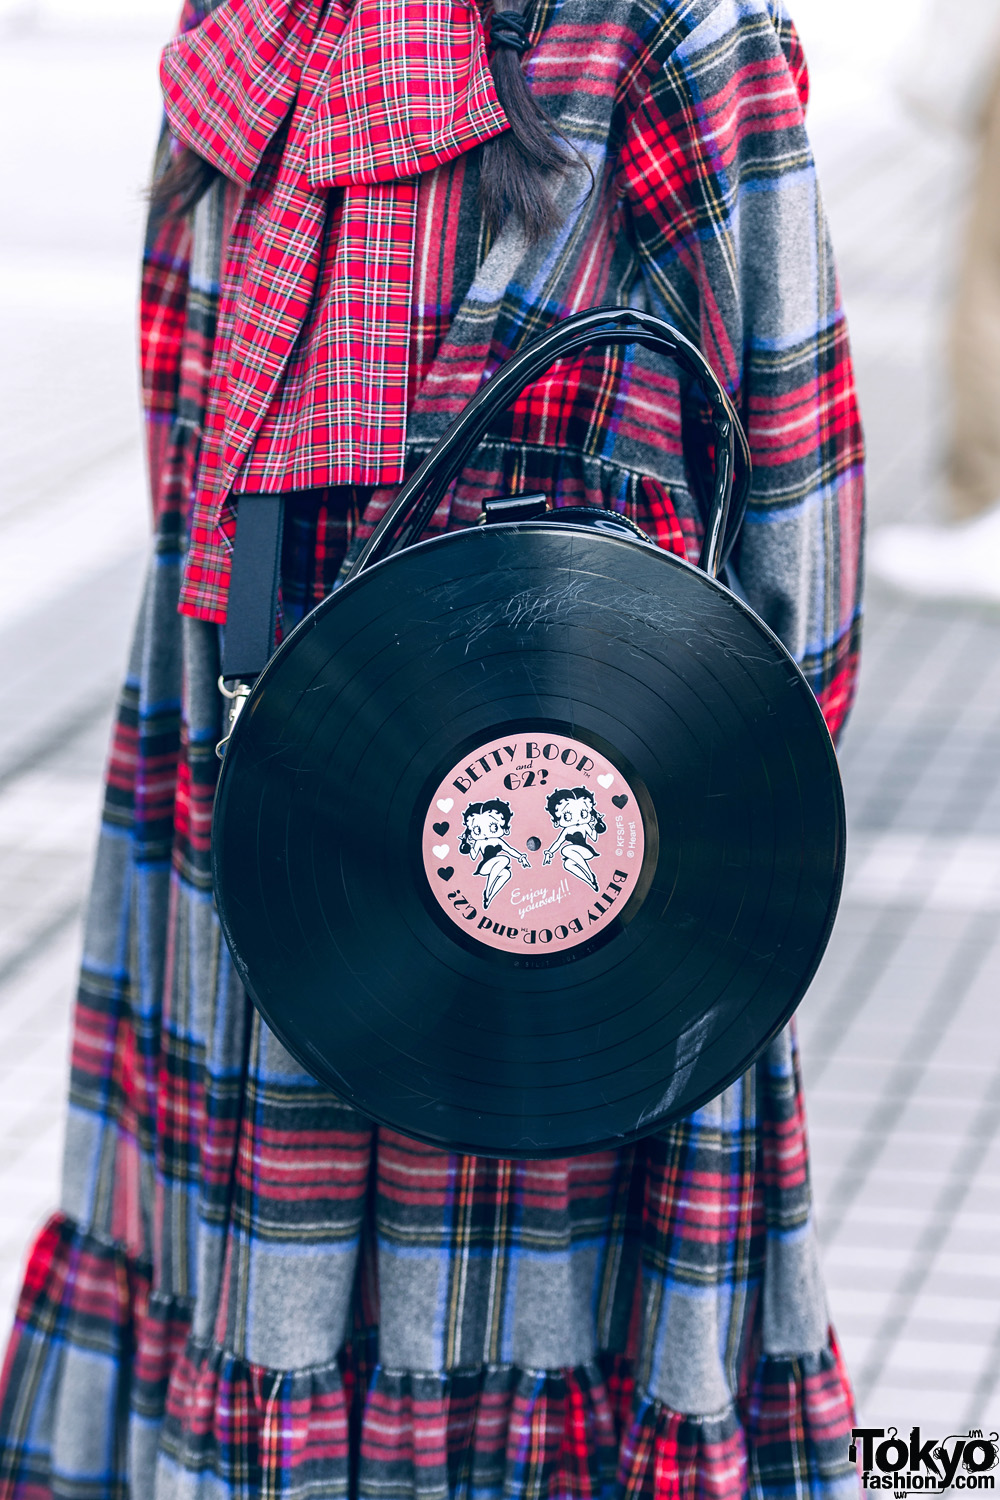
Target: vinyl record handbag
530, 836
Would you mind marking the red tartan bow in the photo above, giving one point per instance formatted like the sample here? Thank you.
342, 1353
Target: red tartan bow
410, 90
309, 372
407, 86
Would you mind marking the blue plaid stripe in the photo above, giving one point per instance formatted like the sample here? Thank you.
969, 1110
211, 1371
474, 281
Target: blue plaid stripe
250, 1291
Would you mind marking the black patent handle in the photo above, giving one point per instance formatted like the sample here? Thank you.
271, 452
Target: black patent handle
600, 327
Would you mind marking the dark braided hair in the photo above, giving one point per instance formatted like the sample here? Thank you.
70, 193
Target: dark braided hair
513, 165
184, 183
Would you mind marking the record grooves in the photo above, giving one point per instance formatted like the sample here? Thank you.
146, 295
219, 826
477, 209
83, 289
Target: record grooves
530, 839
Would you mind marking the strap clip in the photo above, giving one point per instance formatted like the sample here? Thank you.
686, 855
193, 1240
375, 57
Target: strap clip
237, 696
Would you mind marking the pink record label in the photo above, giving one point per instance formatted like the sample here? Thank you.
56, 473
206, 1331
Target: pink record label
533, 843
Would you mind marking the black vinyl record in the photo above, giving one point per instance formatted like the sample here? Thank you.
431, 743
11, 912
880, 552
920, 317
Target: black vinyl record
529, 839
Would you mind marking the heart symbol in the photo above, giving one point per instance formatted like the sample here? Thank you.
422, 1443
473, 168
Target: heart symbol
446, 803
447, 873
619, 801
605, 781
439, 851
441, 829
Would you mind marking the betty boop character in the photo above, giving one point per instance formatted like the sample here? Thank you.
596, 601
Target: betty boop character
574, 813
485, 838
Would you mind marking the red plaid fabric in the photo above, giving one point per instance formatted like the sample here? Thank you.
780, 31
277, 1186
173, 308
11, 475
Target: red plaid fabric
251, 1290
311, 360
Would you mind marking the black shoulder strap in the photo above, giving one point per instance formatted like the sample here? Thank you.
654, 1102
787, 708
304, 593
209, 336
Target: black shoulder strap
248, 640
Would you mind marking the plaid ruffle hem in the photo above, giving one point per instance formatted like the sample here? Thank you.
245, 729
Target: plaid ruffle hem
249, 1290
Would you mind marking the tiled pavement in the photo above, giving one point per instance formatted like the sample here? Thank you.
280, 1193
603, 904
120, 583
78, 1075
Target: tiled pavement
72, 534
900, 1035
901, 1045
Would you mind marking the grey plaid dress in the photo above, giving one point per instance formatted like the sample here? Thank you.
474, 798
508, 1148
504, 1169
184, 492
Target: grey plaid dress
250, 1290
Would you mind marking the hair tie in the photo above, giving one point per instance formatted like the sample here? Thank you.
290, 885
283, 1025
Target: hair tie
509, 29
